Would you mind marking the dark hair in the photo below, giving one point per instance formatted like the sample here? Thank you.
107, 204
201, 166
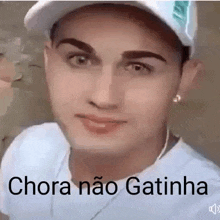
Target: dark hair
185, 53
53, 31
138, 15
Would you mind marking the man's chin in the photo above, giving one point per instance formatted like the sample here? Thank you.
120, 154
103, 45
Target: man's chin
103, 147
81, 139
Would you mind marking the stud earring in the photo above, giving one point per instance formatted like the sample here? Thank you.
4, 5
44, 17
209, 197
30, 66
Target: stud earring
177, 98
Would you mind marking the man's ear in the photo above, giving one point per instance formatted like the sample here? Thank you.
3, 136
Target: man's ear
47, 47
191, 72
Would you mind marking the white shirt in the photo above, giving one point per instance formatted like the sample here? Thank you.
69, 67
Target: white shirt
41, 153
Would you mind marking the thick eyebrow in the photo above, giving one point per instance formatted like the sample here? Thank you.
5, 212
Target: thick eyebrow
79, 44
127, 54
142, 54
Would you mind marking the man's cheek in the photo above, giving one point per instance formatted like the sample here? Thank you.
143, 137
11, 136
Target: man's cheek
148, 109
142, 100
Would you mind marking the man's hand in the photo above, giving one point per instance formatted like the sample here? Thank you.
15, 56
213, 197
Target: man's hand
3, 217
7, 73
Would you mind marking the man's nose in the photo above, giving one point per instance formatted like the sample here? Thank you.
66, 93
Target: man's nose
106, 93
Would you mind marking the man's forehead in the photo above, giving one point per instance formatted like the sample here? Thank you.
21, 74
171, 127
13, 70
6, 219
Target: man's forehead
120, 11
108, 8
101, 13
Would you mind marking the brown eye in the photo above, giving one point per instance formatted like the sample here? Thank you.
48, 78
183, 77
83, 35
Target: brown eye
138, 68
79, 61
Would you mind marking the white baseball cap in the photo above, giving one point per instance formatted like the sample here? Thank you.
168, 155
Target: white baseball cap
180, 16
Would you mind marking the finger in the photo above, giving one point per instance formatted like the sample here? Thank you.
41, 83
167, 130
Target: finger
7, 70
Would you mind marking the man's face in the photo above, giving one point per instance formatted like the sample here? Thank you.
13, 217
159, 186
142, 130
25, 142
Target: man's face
111, 81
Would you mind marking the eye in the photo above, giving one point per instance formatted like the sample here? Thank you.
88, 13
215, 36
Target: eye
138, 68
79, 60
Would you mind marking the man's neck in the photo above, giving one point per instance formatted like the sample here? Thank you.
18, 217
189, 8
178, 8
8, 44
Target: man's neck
85, 166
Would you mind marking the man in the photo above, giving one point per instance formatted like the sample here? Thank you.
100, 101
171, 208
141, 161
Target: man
113, 71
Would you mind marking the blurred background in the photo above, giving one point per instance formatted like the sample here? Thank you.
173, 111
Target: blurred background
197, 119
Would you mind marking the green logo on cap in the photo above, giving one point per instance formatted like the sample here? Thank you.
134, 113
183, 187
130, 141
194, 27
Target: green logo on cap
180, 12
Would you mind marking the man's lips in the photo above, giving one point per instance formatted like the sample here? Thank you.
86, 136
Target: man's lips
100, 119
99, 125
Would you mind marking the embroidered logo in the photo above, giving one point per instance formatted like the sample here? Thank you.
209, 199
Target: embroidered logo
180, 12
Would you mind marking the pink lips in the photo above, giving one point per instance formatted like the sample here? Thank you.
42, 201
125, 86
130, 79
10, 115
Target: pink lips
99, 125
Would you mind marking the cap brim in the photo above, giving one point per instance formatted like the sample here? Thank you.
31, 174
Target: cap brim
44, 14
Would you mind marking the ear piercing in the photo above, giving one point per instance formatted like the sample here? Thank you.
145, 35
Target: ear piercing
177, 98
